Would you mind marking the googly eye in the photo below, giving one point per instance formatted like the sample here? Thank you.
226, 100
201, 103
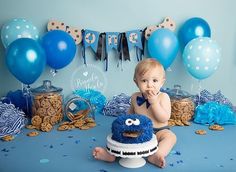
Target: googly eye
136, 122
128, 122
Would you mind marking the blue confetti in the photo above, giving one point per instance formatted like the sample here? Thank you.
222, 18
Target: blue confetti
5, 150
77, 141
102, 170
64, 155
231, 159
70, 136
51, 146
62, 144
43, 161
171, 164
178, 153
94, 139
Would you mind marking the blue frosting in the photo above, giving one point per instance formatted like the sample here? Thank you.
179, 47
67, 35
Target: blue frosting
214, 113
132, 123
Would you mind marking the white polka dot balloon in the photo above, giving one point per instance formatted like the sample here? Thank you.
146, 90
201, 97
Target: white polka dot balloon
201, 57
18, 28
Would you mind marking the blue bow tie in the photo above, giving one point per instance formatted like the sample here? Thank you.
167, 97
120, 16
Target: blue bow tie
141, 100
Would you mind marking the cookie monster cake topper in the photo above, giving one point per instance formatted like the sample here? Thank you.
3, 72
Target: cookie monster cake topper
132, 129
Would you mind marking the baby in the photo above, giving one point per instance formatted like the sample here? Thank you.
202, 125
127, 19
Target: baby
149, 77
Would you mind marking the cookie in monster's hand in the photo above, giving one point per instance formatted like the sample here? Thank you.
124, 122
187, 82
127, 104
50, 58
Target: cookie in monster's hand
132, 128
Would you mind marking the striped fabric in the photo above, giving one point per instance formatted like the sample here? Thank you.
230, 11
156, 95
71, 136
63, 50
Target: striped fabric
11, 119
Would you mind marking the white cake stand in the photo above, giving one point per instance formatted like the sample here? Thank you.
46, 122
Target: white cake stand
132, 154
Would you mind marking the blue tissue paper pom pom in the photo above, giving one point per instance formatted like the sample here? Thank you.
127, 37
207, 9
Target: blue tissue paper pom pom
214, 113
95, 97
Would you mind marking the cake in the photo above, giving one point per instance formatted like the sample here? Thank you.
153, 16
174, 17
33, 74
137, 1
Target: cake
132, 139
132, 129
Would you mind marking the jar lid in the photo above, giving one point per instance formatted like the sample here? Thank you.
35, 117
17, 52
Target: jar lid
47, 87
178, 93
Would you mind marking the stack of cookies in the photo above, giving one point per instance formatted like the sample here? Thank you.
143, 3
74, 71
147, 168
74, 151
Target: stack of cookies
79, 120
182, 112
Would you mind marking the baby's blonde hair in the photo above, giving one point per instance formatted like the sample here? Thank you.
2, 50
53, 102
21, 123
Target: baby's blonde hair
146, 65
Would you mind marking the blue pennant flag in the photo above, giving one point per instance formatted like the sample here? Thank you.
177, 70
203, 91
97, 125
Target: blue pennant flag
112, 40
134, 39
90, 39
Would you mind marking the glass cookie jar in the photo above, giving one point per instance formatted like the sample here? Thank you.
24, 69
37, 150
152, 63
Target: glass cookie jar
77, 108
80, 113
47, 104
182, 105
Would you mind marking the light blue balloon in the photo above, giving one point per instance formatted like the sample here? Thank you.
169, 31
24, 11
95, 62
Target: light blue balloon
25, 59
201, 57
18, 28
163, 46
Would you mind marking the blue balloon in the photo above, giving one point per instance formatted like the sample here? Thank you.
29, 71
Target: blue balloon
25, 59
18, 28
163, 46
60, 48
201, 57
194, 28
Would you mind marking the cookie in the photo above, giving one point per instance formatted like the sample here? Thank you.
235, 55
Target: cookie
216, 127
84, 127
63, 128
46, 127
33, 133
30, 127
7, 138
36, 120
171, 122
200, 132
79, 123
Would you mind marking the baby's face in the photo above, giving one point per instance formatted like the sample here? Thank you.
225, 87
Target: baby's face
152, 80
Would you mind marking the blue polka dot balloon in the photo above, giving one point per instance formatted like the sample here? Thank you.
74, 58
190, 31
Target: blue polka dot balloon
18, 28
201, 57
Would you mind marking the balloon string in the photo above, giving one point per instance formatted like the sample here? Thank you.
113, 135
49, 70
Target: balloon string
169, 69
199, 91
53, 72
26, 94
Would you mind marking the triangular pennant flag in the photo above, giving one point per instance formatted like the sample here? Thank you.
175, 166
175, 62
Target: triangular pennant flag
134, 39
111, 40
90, 39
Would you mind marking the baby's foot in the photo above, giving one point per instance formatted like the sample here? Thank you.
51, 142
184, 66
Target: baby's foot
101, 154
157, 160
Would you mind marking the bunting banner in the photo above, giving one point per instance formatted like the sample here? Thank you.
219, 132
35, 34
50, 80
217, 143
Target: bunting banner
103, 43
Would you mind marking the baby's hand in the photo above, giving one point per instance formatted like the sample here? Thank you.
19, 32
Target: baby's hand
151, 96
